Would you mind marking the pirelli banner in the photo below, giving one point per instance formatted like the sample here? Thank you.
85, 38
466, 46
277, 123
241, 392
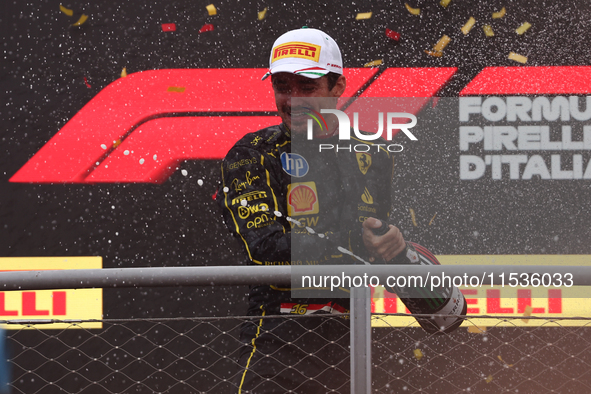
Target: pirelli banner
502, 169
66, 304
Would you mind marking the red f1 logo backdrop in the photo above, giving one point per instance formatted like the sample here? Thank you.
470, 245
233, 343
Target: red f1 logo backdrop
140, 127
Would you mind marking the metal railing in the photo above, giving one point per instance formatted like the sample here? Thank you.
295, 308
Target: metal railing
199, 354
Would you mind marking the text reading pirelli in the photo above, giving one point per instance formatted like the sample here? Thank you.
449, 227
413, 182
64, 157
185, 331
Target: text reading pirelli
434, 281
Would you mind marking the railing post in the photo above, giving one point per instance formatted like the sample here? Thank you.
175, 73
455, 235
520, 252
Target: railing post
360, 314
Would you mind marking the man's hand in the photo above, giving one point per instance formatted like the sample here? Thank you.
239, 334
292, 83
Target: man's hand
386, 246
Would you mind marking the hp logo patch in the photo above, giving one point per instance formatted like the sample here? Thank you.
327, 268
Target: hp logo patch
294, 164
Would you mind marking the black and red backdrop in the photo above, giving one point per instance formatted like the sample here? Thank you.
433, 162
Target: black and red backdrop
51, 70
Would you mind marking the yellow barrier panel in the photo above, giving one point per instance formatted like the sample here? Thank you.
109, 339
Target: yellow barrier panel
67, 304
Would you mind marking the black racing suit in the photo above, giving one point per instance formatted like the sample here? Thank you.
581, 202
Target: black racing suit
329, 192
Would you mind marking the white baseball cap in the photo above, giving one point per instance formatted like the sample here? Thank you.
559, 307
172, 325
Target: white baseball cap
307, 52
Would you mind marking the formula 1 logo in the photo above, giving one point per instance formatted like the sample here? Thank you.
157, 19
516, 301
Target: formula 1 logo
138, 129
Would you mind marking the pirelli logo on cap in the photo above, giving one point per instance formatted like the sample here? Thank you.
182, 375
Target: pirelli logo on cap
296, 49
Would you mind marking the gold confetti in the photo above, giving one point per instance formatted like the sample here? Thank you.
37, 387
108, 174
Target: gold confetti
176, 89
412, 216
211, 9
262, 14
488, 379
82, 19
66, 11
433, 53
476, 329
433, 218
504, 362
444, 3
418, 354
116, 143
518, 58
469, 25
500, 14
439, 47
523, 28
527, 313
373, 64
441, 44
363, 15
488, 31
124, 72
414, 11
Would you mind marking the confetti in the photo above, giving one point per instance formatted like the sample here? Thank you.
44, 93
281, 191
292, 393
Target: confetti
444, 3
488, 379
476, 330
433, 53
500, 14
469, 25
103, 146
414, 11
66, 11
373, 64
168, 27
392, 34
200, 182
439, 47
175, 89
412, 216
523, 28
527, 313
116, 143
504, 362
142, 161
206, 27
124, 72
184, 172
226, 190
433, 218
442, 43
82, 19
86, 82
211, 10
363, 15
518, 58
262, 14
418, 354
488, 31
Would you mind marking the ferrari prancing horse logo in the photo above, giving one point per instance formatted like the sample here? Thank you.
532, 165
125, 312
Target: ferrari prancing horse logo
364, 161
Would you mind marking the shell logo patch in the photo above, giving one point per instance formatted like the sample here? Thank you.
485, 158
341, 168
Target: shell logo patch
302, 199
